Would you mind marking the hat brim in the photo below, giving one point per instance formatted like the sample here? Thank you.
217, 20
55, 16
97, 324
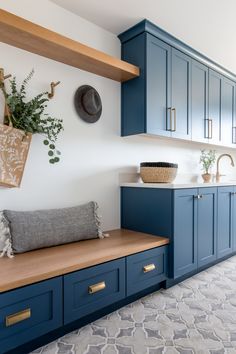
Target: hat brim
79, 107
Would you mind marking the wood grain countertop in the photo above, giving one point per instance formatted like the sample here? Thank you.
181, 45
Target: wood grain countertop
35, 266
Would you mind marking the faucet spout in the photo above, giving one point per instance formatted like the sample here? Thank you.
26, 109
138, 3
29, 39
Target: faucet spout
218, 175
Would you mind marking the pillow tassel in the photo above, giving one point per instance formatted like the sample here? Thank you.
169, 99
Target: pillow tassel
5, 237
101, 234
7, 250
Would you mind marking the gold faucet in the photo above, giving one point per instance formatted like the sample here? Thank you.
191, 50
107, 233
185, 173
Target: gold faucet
218, 175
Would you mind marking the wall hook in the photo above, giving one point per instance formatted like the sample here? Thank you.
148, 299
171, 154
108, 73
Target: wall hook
7, 76
53, 85
2, 76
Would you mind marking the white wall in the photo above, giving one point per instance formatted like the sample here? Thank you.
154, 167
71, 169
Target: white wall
94, 155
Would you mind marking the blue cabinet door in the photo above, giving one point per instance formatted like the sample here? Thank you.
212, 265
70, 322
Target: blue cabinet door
214, 105
185, 232
227, 111
158, 87
225, 221
201, 125
206, 226
180, 92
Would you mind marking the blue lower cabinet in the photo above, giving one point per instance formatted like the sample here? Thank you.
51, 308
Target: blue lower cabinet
29, 312
146, 269
225, 220
184, 244
94, 288
206, 226
234, 219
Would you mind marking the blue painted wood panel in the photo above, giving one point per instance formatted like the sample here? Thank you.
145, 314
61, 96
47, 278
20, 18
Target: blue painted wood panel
133, 92
206, 225
225, 221
78, 302
147, 210
185, 232
180, 94
158, 86
215, 80
137, 280
201, 127
45, 302
227, 111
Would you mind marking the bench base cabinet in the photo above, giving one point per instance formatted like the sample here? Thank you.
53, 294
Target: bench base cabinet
33, 311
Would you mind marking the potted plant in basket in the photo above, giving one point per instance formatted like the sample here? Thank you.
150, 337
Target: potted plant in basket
207, 159
29, 115
22, 118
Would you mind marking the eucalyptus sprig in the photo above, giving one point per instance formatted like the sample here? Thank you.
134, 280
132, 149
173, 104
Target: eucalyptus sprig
30, 116
207, 159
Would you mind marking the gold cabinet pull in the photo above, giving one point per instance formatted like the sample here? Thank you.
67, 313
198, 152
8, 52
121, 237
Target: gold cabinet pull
210, 128
17, 317
174, 129
169, 126
96, 287
234, 135
171, 129
149, 268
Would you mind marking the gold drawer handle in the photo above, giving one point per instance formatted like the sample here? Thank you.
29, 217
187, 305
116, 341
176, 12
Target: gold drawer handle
149, 268
18, 317
96, 287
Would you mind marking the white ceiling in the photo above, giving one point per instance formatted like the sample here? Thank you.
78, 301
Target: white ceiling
207, 25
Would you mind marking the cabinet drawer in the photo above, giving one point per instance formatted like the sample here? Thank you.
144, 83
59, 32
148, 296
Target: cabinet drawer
146, 269
91, 289
29, 312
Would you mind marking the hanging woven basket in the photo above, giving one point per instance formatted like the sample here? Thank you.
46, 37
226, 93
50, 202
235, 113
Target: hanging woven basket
14, 147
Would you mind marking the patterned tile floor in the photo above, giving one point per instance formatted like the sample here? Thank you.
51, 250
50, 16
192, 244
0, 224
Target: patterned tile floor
196, 316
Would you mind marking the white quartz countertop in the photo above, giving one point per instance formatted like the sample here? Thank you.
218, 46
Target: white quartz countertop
177, 185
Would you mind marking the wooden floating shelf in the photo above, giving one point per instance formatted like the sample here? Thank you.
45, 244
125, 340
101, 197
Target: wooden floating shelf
26, 35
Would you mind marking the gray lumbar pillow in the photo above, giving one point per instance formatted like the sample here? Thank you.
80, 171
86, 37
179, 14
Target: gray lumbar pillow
31, 230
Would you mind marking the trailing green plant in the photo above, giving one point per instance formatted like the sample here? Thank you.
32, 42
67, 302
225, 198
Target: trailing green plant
30, 116
207, 159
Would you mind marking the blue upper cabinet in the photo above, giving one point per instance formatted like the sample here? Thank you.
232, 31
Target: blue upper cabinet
215, 83
158, 87
155, 103
227, 111
201, 124
222, 109
180, 95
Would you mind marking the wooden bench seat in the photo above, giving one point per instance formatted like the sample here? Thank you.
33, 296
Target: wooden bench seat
35, 266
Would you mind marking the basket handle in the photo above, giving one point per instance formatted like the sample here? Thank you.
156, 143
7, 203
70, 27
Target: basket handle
6, 108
